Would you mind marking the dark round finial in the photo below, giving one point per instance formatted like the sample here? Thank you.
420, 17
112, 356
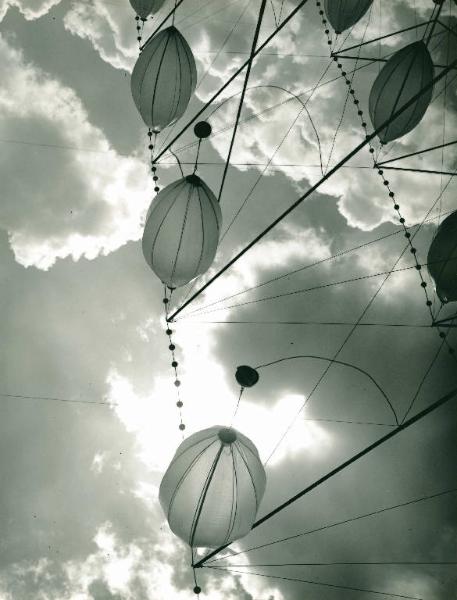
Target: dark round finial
202, 129
193, 179
197, 589
246, 376
227, 435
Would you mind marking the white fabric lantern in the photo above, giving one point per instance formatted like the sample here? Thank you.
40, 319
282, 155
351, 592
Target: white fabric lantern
144, 8
163, 79
442, 259
343, 14
182, 231
212, 489
402, 77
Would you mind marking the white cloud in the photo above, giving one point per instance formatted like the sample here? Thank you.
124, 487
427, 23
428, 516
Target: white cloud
59, 203
31, 9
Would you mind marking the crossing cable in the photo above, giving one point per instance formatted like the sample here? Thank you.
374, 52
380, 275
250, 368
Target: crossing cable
312, 288
233, 77
316, 186
318, 262
341, 467
243, 93
159, 27
372, 513
319, 583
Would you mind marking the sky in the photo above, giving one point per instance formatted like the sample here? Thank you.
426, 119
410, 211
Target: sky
88, 418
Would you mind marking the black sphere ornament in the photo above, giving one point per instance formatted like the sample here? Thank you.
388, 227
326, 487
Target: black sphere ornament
197, 589
246, 376
202, 129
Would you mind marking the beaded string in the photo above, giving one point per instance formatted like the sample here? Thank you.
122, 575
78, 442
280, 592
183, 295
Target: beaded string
174, 363
385, 182
139, 29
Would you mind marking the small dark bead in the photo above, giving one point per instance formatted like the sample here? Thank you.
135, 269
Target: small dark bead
371, 150
391, 194
177, 383
356, 101
329, 42
396, 206
364, 124
339, 65
156, 189
149, 133
324, 21
153, 168
138, 39
151, 147
402, 220
165, 300
335, 59
327, 31
343, 73
351, 92
442, 334
174, 364
424, 284
348, 81
182, 427
385, 182
418, 267
138, 28
172, 347
413, 250
155, 178
407, 234
360, 113
321, 12
179, 404
197, 589
428, 303
169, 331
380, 172
137, 18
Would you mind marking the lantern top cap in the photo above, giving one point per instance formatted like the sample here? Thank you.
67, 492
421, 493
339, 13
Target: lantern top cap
227, 435
193, 179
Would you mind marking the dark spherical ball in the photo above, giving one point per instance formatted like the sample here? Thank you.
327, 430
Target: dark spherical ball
202, 129
246, 376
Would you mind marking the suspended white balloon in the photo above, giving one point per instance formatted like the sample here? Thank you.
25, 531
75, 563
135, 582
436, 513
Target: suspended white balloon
163, 79
343, 14
402, 77
212, 489
144, 8
182, 231
442, 259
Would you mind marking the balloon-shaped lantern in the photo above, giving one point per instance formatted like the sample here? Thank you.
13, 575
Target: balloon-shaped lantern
212, 489
144, 8
343, 14
402, 77
181, 234
442, 259
246, 376
163, 79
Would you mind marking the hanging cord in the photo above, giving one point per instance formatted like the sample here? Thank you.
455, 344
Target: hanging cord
174, 363
174, 13
139, 30
237, 405
197, 155
339, 362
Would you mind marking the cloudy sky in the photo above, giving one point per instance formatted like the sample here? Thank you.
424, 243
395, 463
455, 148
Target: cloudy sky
88, 417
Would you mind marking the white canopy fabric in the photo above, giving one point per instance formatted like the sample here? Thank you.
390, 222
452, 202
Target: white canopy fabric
212, 489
